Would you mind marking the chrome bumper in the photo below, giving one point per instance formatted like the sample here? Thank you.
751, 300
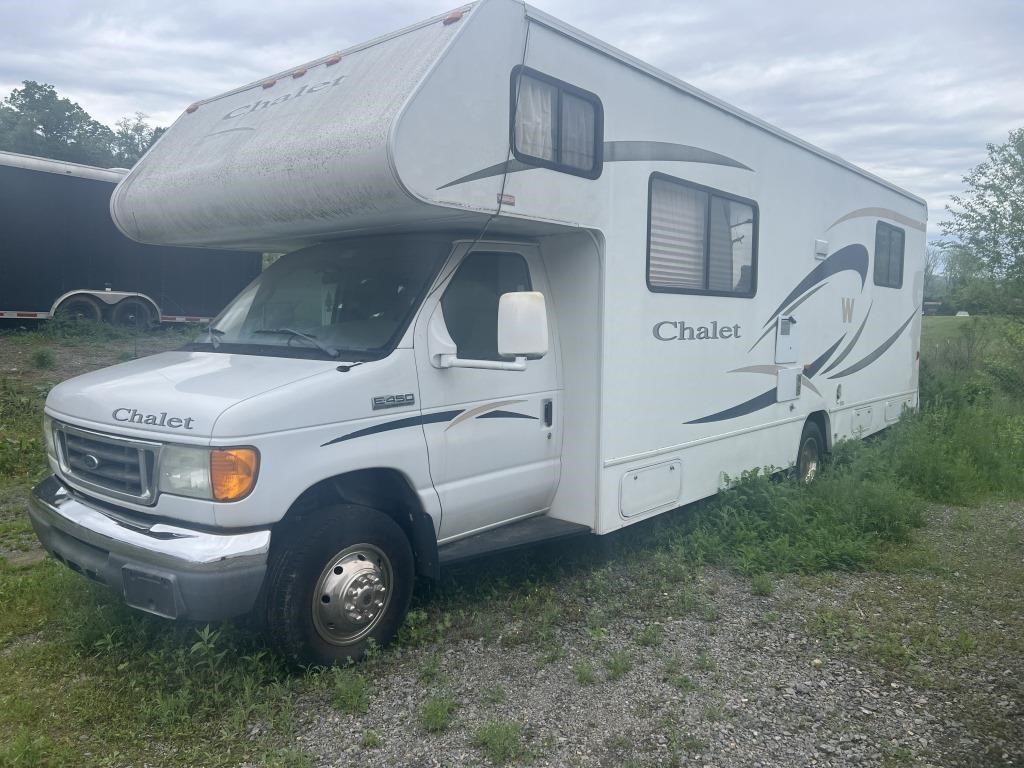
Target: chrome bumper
163, 569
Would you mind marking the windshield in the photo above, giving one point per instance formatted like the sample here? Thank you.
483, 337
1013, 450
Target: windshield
347, 300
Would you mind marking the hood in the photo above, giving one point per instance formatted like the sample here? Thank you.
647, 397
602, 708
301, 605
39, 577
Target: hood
174, 393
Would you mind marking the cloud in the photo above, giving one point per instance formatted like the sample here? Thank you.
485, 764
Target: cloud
910, 90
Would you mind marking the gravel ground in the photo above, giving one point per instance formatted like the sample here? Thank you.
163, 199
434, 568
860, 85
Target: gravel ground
766, 692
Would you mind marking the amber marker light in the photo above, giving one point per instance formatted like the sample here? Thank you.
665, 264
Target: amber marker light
233, 472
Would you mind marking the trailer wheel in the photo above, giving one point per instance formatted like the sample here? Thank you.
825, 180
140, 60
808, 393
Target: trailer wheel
337, 582
810, 454
133, 313
79, 309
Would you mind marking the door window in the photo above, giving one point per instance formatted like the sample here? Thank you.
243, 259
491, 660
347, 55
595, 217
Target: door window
470, 302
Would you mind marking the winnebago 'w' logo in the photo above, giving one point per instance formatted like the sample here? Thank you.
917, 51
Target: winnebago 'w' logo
847, 309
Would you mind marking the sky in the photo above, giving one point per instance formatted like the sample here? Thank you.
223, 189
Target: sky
911, 90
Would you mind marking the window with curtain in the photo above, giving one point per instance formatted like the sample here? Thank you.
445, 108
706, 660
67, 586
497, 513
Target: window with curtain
889, 247
699, 240
556, 125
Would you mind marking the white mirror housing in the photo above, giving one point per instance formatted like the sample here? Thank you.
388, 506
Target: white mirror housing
522, 325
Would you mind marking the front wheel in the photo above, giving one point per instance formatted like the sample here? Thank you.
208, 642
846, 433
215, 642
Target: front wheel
339, 581
810, 454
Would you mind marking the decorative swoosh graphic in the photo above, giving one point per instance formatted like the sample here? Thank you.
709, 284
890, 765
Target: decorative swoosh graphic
412, 421
619, 152
881, 213
851, 257
479, 410
769, 397
789, 309
753, 404
864, 362
811, 370
853, 342
455, 417
773, 370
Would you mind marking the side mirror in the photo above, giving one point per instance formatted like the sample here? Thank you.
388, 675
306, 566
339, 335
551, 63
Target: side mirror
522, 325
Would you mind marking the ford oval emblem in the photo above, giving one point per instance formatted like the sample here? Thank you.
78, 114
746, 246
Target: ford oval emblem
90, 461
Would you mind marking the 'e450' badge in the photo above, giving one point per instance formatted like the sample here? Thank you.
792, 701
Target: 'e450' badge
393, 401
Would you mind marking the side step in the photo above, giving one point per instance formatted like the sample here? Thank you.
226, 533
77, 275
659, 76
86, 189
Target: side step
533, 530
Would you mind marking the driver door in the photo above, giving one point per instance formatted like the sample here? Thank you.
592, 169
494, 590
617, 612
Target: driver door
493, 436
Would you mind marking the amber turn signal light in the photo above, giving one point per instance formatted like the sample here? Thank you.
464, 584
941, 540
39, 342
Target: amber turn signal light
233, 472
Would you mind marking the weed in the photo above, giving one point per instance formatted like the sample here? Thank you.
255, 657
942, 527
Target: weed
709, 612
703, 662
553, 651
714, 712
651, 636
584, 672
44, 359
430, 669
684, 742
618, 664
371, 740
289, 757
761, 585
966, 644
351, 691
494, 695
895, 755
500, 740
437, 713
681, 683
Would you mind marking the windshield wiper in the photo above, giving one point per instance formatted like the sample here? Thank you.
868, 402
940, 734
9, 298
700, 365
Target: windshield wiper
214, 335
300, 335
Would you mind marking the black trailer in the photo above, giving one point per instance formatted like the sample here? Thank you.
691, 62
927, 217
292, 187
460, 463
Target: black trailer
61, 255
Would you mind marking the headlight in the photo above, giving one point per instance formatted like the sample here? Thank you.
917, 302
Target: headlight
48, 440
218, 474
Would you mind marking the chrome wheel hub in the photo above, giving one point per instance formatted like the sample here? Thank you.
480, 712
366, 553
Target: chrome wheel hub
352, 594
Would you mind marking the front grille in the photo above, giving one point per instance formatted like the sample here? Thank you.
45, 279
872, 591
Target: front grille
115, 466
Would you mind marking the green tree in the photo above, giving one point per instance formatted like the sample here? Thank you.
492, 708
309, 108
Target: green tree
34, 120
132, 137
987, 220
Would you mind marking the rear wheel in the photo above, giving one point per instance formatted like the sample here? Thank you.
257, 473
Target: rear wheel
79, 309
336, 583
810, 454
133, 313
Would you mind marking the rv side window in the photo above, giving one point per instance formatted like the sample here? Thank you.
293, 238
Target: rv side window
556, 125
889, 242
700, 240
470, 302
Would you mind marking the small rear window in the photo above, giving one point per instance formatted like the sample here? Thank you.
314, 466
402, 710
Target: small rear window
556, 125
889, 246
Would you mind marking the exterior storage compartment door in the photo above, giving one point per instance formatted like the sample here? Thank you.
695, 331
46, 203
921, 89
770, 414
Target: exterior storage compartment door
650, 488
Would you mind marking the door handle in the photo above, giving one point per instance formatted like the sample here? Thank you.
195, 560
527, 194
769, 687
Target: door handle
549, 413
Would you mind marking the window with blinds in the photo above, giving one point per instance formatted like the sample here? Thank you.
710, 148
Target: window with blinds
700, 240
556, 125
889, 246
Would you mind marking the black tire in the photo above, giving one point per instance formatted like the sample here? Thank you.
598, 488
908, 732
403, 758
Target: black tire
810, 453
133, 313
79, 309
300, 631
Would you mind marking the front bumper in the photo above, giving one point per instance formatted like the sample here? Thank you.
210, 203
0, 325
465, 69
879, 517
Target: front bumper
163, 569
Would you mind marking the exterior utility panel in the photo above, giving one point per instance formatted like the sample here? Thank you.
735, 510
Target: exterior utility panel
716, 295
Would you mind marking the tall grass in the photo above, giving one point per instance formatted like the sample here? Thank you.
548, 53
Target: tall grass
964, 445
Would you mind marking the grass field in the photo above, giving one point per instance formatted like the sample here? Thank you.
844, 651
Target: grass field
929, 516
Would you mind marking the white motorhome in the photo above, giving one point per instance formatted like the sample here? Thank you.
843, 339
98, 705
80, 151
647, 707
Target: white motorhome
534, 287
